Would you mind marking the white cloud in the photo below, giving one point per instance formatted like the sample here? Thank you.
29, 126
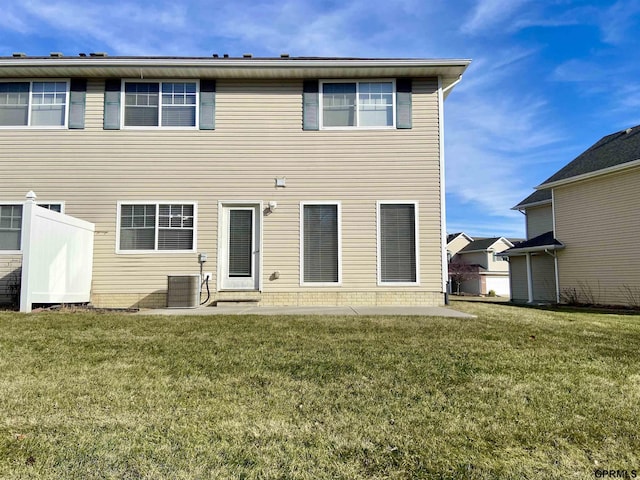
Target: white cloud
495, 136
491, 13
616, 22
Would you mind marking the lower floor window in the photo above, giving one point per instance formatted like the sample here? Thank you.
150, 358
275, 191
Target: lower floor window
10, 227
320, 243
11, 224
156, 226
397, 242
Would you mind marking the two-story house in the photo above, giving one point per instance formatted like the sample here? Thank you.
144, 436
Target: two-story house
581, 222
486, 271
304, 181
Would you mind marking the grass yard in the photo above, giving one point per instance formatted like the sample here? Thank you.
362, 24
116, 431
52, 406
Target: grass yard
515, 393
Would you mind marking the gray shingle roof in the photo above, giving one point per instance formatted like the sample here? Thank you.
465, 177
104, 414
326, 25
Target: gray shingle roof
615, 149
539, 241
610, 151
536, 197
480, 244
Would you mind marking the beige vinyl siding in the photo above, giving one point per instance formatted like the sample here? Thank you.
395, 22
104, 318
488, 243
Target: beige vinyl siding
258, 137
597, 220
457, 244
518, 279
475, 258
542, 275
539, 220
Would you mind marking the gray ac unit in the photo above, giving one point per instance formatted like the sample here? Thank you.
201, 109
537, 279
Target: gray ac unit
183, 291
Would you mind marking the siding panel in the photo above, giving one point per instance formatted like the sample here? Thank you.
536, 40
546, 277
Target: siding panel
258, 137
539, 220
597, 220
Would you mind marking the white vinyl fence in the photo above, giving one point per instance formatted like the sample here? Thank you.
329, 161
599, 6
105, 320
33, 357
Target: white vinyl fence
57, 257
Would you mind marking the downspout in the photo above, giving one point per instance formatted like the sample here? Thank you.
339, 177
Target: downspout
446, 89
555, 261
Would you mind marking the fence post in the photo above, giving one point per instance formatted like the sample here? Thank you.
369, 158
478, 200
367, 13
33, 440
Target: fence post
27, 224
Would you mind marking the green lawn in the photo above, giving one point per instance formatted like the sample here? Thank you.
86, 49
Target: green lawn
515, 393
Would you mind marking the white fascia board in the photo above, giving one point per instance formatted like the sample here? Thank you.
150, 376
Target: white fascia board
522, 251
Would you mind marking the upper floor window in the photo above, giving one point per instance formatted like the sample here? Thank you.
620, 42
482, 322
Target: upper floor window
160, 104
34, 103
362, 104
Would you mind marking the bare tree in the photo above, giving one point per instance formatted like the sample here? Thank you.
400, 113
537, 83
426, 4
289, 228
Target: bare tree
459, 271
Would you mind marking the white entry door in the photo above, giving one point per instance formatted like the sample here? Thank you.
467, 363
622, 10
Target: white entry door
239, 252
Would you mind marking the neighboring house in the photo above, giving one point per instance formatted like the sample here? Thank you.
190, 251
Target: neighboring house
581, 229
491, 271
305, 181
456, 242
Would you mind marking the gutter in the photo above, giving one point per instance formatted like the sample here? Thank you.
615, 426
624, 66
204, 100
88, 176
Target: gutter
228, 62
523, 251
532, 204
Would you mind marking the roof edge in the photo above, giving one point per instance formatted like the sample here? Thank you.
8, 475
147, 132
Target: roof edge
532, 204
514, 252
589, 175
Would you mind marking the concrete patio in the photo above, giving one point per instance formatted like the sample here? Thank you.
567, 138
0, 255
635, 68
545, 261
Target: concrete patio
293, 310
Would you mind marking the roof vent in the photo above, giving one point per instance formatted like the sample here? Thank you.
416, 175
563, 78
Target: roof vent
19, 55
82, 54
628, 131
98, 54
215, 55
247, 55
284, 55
56, 54
226, 55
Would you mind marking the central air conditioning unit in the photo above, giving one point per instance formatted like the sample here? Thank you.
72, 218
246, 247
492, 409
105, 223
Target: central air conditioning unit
183, 291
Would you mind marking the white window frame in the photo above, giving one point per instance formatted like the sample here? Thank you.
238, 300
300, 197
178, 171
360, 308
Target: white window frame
52, 203
123, 105
7, 202
31, 81
339, 220
157, 204
357, 82
382, 283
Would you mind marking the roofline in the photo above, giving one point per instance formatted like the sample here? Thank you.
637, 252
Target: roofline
458, 235
532, 204
283, 62
487, 249
101, 66
514, 252
589, 175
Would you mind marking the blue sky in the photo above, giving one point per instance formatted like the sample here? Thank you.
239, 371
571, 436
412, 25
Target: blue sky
548, 78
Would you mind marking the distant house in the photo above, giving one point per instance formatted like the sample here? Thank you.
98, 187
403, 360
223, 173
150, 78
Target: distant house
298, 180
582, 227
491, 271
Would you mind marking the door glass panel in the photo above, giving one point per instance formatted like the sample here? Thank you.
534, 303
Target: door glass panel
240, 242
